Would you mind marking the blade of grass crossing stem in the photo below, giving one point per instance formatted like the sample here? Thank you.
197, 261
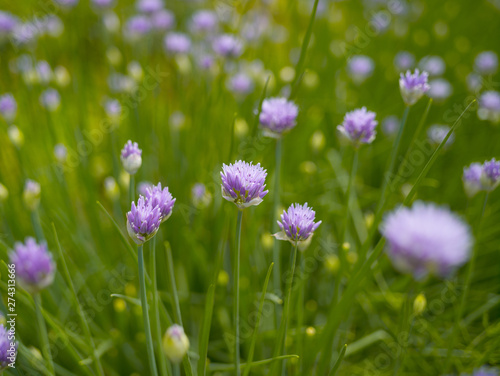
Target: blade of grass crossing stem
83, 321
276, 243
177, 311
434, 155
42, 331
257, 323
205, 331
335, 368
145, 312
259, 109
156, 311
303, 51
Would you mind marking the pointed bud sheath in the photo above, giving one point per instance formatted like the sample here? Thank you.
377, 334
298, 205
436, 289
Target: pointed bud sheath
4, 193
31, 194
490, 177
35, 268
413, 86
131, 157
175, 343
419, 304
297, 225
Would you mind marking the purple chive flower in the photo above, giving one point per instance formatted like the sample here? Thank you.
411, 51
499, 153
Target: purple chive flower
404, 61
161, 198
177, 43
413, 86
297, 224
203, 21
113, 108
439, 90
35, 268
486, 371
163, 20
486, 62
143, 220
227, 45
7, 23
131, 157
437, 133
360, 68
489, 106
8, 107
205, 61
43, 71
243, 183
278, 116
143, 187
31, 194
137, 26
149, 6
433, 65
426, 239
359, 126
490, 178
390, 125
200, 196
471, 179
8, 349
240, 83
50, 99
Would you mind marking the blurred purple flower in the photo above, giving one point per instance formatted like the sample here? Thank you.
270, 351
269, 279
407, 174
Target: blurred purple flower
471, 179
163, 20
240, 83
486, 62
203, 21
413, 86
360, 67
439, 90
8, 107
243, 183
177, 43
6, 351
149, 6
143, 220
437, 134
404, 61
278, 116
359, 126
433, 65
50, 99
486, 371
426, 239
161, 198
35, 268
227, 45
7, 23
489, 106
137, 26
490, 178
390, 125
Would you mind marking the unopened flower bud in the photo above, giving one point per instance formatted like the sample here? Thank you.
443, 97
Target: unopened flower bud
175, 343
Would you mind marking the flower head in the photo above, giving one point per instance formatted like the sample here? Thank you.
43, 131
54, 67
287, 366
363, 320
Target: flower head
360, 67
486, 371
35, 268
131, 157
200, 195
490, 177
243, 183
163, 20
404, 60
359, 126
143, 220
60, 153
149, 6
278, 116
471, 179
240, 83
31, 194
177, 43
437, 133
413, 86
486, 62
227, 45
50, 99
7, 23
137, 26
297, 224
8, 349
175, 343
439, 90
489, 106
161, 198
8, 107
426, 239
203, 21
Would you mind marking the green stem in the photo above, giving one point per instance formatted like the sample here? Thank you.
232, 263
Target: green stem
463, 300
42, 329
131, 189
276, 244
281, 340
37, 227
176, 369
236, 292
156, 316
145, 314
